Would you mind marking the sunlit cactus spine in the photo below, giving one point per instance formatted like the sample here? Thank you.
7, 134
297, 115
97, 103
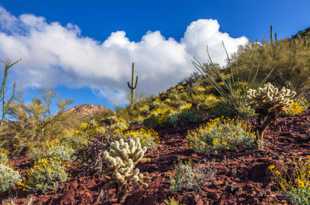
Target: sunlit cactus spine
132, 85
8, 65
122, 158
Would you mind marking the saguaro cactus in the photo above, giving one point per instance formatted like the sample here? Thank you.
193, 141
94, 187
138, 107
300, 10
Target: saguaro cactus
133, 84
273, 35
7, 66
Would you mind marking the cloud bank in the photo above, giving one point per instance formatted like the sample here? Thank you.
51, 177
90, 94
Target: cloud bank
54, 55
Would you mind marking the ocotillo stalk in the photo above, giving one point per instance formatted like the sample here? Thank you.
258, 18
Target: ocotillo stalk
7, 67
133, 84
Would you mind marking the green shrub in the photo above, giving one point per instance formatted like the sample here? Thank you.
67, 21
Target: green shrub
53, 149
45, 175
219, 135
8, 178
189, 117
183, 118
299, 196
189, 178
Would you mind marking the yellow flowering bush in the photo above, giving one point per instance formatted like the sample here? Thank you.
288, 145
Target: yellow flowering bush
172, 201
115, 124
220, 134
55, 148
296, 107
185, 106
293, 178
211, 100
45, 175
148, 137
75, 138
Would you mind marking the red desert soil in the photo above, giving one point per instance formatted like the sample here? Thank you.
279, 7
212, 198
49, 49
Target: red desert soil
240, 178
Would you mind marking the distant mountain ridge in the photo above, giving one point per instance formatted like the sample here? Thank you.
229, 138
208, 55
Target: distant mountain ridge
87, 110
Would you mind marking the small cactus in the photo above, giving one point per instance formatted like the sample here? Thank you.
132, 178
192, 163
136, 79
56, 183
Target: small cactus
122, 159
270, 98
268, 102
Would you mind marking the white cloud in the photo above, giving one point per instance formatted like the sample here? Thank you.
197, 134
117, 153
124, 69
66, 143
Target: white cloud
53, 54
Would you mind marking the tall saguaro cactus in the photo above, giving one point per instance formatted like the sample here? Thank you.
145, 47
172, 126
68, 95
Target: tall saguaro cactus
7, 66
273, 35
133, 84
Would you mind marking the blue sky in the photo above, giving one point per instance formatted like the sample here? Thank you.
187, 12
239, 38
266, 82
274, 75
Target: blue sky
97, 19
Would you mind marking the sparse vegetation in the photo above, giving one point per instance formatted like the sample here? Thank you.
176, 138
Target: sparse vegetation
210, 123
293, 178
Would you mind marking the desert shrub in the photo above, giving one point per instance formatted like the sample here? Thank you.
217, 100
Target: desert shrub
293, 178
45, 175
115, 123
220, 134
211, 101
148, 137
8, 178
80, 136
4, 159
90, 157
299, 196
55, 149
31, 124
285, 63
268, 102
189, 117
188, 178
172, 201
122, 158
228, 90
183, 118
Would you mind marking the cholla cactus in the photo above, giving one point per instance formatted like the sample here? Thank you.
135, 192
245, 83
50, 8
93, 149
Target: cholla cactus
8, 178
270, 98
122, 158
268, 101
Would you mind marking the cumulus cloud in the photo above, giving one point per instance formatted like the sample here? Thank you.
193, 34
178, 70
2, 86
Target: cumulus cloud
53, 54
